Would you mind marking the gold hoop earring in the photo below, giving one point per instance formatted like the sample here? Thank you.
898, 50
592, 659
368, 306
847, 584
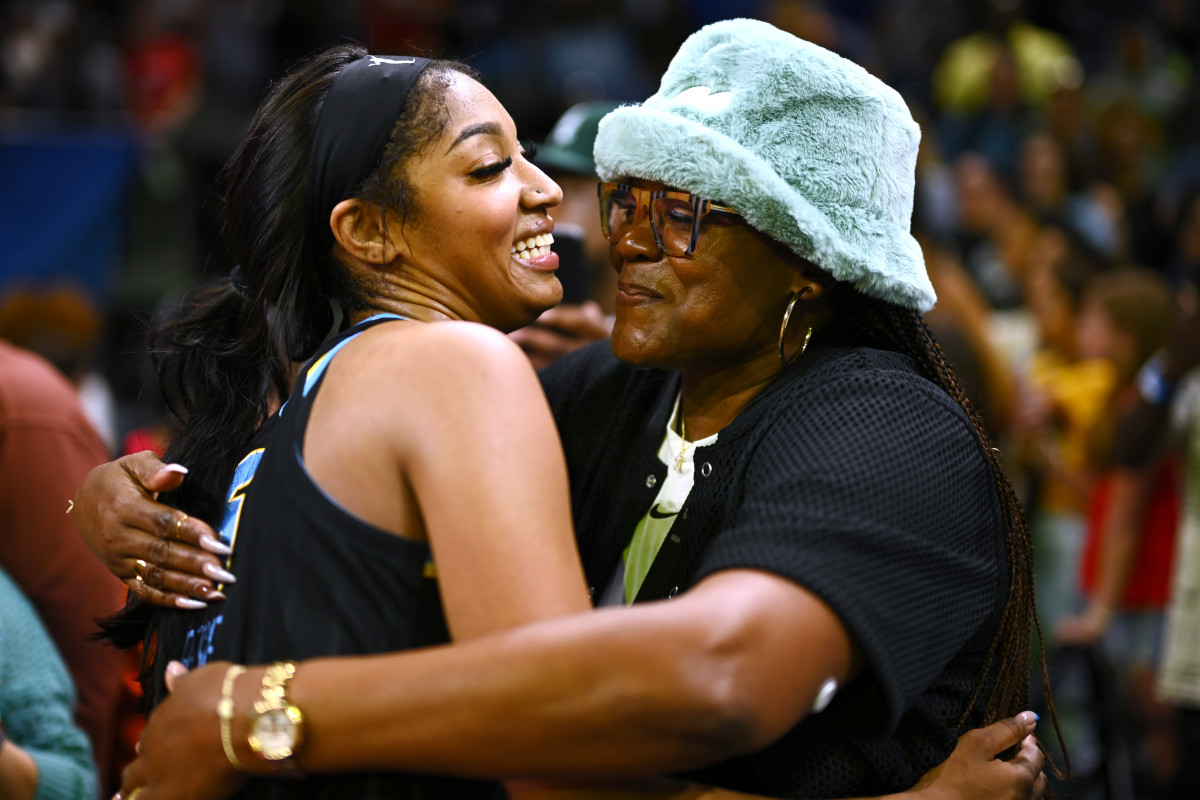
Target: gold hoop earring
787, 318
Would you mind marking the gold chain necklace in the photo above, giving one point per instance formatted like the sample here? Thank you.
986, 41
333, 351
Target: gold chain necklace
683, 436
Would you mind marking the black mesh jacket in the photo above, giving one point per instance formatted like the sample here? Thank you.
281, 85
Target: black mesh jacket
850, 475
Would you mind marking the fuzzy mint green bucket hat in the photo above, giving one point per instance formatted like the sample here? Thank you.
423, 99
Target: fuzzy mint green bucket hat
813, 151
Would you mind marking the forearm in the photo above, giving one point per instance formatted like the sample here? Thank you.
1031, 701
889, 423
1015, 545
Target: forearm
646, 789
722, 669
1121, 537
581, 696
659, 789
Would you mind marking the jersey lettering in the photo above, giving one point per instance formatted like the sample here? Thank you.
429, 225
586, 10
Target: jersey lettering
198, 644
242, 476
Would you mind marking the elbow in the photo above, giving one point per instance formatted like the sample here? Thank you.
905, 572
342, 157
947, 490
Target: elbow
722, 710
741, 718
731, 725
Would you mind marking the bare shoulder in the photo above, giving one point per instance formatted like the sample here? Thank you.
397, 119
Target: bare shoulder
442, 355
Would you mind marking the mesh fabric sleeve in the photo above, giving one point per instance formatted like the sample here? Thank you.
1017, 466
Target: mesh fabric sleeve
871, 490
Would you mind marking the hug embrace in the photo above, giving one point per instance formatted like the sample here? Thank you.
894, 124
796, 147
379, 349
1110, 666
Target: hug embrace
384, 562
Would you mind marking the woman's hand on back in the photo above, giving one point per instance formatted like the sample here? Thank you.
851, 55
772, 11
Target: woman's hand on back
164, 556
974, 771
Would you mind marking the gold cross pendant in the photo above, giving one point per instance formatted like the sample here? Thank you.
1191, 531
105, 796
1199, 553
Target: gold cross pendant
679, 458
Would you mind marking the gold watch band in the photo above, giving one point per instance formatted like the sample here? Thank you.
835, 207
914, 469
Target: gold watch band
277, 725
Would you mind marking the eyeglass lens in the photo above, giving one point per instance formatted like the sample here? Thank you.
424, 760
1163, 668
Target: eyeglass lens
673, 216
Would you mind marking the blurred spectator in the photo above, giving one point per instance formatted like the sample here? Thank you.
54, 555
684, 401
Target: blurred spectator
1125, 570
1183, 257
1142, 69
43, 754
1049, 190
959, 320
63, 325
991, 83
1063, 397
996, 230
1040, 61
1167, 416
162, 69
1129, 159
46, 447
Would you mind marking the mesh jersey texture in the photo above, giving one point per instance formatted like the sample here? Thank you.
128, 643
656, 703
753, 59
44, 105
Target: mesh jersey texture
856, 478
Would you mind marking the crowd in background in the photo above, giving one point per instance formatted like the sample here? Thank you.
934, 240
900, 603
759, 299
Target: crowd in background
1058, 204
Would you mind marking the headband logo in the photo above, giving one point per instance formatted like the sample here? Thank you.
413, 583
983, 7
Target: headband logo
376, 61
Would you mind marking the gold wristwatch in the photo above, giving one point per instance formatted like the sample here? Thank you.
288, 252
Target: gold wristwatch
277, 726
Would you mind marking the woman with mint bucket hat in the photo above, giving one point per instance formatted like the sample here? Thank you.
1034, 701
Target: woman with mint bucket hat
854, 468
773, 449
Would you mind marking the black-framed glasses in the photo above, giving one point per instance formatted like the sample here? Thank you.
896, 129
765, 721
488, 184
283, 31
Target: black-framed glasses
675, 217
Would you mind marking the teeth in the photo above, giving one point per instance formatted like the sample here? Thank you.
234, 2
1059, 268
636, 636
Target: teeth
534, 246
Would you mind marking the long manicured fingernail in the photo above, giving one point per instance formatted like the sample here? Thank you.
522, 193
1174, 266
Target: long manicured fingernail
214, 545
211, 594
218, 574
189, 603
180, 468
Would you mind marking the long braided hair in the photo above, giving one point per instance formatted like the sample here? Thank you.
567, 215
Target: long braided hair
1006, 668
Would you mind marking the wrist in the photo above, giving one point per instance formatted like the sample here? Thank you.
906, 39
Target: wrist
227, 713
240, 691
276, 728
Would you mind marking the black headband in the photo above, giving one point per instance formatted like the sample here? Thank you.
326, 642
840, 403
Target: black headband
356, 120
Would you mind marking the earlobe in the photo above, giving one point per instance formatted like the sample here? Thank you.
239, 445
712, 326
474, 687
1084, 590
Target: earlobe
361, 229
812, 283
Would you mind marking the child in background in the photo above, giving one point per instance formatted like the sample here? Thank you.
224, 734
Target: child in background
1127, 317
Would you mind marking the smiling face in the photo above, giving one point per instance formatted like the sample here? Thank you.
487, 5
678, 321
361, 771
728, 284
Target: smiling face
479, 238
719, 309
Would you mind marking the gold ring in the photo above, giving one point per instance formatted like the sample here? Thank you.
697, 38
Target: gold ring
133, 795
139, 568
179, 525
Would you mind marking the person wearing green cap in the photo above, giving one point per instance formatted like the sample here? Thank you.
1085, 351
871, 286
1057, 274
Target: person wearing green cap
828, 570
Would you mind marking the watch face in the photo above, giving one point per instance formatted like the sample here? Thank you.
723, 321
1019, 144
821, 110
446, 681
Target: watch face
276, 733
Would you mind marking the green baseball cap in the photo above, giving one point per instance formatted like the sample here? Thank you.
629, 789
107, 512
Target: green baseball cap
569, 146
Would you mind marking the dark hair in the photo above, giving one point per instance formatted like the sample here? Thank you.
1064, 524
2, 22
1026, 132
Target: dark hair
1141, 304
1004, 681
228, 357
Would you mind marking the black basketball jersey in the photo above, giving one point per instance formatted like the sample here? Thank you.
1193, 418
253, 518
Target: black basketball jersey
314, 580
